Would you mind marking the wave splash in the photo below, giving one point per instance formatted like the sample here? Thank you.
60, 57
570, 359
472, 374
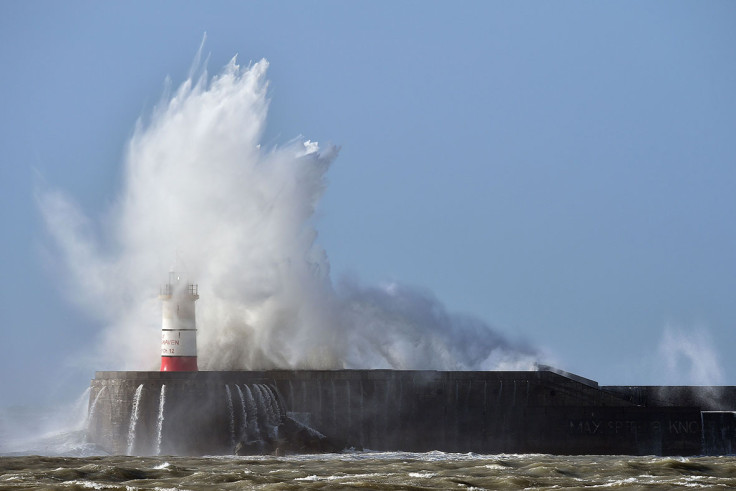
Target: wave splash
56, 430
198, 186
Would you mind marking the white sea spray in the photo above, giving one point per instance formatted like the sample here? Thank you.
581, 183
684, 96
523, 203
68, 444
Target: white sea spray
202, 194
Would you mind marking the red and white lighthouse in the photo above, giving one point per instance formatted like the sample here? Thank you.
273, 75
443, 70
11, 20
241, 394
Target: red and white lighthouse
179, 326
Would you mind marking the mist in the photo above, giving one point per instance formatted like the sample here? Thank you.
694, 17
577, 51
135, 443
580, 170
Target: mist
201, 195
689, 357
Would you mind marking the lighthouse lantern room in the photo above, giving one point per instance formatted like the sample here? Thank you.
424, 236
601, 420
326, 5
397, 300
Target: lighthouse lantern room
178, 327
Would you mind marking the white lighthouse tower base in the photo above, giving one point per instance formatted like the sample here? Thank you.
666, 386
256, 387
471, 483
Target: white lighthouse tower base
179, 326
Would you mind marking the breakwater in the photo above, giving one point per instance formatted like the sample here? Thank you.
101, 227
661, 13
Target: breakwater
196, 413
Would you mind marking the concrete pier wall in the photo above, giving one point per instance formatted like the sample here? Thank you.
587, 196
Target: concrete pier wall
484, 412
707, 398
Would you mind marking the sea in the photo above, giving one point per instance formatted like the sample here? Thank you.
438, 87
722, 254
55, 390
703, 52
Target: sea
369, 470
48, 449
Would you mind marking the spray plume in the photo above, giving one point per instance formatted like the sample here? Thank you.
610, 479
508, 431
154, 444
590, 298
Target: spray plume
199, 186
689, 356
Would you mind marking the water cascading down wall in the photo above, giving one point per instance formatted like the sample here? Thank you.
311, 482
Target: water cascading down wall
195, 413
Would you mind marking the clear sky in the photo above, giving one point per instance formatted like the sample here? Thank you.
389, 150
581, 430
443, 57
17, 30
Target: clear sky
563, 170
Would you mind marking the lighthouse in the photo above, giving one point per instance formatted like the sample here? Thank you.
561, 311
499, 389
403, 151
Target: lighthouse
178, 326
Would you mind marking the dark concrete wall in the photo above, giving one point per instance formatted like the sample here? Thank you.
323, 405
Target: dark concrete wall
707, 398
719, 432
485, 412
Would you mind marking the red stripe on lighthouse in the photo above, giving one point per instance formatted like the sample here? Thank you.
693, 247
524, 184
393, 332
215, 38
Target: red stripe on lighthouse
179, 364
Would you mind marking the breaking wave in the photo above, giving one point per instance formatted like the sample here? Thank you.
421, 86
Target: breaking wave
200, 193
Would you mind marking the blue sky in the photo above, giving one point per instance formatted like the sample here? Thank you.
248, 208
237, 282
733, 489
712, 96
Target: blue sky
563, 170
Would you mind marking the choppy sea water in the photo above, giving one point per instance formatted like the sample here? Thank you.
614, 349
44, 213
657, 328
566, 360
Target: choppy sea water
372, 470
